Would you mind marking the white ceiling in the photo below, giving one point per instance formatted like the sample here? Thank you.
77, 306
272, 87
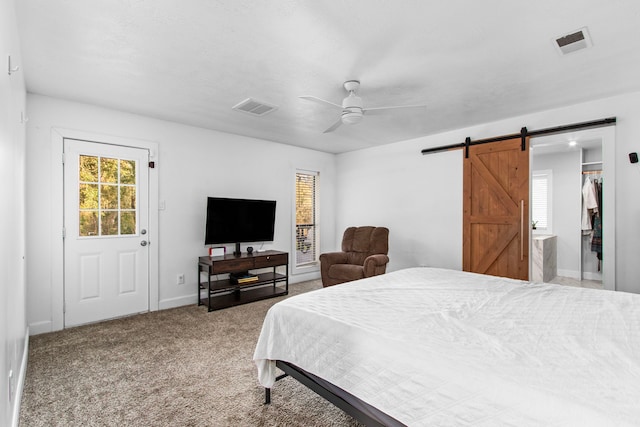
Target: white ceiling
190, 61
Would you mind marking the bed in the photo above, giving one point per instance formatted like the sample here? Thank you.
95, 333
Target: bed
437, 347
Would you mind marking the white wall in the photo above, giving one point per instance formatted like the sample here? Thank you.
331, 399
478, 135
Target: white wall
193, 163
420, 197
13, 325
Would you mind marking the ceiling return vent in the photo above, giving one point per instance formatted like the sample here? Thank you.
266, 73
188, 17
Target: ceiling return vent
254, 107
573, 41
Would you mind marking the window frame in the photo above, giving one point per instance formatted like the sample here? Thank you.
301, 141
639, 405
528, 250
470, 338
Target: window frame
314, 264
548, 174
99, 209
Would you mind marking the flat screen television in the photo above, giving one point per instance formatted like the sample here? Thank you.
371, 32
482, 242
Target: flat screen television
239, 221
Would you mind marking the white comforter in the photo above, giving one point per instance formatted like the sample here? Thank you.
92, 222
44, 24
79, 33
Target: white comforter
446, 348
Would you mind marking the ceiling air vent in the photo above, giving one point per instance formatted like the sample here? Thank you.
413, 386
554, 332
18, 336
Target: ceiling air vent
573, 41
254, 107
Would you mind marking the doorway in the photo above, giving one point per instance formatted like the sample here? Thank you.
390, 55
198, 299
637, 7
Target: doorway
567, 159
57, 247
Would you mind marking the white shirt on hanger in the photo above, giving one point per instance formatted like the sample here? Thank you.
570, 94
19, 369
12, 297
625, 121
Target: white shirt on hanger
589, 204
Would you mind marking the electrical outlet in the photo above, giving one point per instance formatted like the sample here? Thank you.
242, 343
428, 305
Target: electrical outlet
181, 279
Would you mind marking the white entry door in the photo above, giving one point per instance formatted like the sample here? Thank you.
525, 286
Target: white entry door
106, 214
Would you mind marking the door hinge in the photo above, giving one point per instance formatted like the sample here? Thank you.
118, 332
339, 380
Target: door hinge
63, 158
64, 307
64, 232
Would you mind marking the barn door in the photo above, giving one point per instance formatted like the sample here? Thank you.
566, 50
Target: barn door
496, 209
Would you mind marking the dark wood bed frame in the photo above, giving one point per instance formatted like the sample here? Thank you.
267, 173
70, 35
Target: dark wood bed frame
350, 404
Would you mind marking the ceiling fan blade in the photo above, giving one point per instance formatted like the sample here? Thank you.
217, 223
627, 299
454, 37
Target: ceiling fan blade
377, 110
321, 101
334, 126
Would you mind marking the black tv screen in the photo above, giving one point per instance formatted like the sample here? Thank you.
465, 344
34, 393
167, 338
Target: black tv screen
239, 220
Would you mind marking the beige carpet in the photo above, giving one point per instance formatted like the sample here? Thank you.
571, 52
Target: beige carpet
177, 367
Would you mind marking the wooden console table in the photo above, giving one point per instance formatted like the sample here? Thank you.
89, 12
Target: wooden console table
223, 293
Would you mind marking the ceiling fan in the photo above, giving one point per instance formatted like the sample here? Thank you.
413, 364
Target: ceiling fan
352, 107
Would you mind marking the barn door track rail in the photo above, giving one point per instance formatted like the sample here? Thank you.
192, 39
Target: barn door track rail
523, 135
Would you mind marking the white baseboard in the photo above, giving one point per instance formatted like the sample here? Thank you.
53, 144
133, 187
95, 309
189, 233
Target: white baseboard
303, 277
40, 327
176, 302
587, 275
592, 275
20, 385
569, 273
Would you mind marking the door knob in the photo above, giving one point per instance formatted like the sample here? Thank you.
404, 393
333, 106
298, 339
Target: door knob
143, 243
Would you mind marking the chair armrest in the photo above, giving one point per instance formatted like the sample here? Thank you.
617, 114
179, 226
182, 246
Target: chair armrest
326, 261
334, 258
375, 265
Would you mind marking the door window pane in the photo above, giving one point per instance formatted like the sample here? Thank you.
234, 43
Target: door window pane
127, 172
109, 196
127, 197
128, 223
89, 223
108, 170
108, 223
89, 168
88, 196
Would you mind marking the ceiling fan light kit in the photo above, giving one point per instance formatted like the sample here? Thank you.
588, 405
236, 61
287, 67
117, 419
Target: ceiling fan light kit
352, 106
351, 116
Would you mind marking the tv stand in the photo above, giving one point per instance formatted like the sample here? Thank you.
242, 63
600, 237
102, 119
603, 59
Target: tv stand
223, 293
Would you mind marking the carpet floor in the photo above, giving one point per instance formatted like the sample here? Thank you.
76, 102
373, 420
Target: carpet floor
177, 367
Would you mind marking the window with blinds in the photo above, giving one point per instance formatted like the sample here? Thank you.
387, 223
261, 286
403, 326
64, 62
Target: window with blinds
306, 231
541, 200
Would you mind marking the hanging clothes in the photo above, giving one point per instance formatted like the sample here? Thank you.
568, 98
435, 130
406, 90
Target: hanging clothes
596, 239
589, 205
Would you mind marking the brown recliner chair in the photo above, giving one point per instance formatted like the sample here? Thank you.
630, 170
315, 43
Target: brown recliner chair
364, 254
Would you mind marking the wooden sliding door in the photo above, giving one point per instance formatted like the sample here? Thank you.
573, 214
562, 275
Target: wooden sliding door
496, 209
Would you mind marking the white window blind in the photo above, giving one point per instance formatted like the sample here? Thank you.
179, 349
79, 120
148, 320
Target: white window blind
541, 199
